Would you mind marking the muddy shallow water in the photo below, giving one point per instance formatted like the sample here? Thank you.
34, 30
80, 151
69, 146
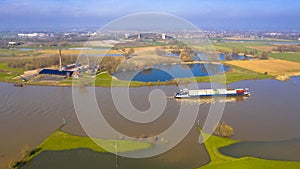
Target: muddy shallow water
29, 114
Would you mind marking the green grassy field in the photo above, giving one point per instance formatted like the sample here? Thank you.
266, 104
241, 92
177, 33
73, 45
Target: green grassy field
293, 56
63, 141
14, 52
220, 161
104, 80
242, 47
235, 74
7, 74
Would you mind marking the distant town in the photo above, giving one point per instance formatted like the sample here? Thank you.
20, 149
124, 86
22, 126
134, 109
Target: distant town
18, 38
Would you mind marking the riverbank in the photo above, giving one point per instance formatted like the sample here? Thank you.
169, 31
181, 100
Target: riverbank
280, 69
59, 141
104, 79
51, 104
218, 160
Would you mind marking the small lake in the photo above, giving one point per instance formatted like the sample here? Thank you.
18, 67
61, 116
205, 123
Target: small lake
287, 150
102, 55
235, 57
284, 43
264, 41
85, 158
199, 56
168, 72
26, 49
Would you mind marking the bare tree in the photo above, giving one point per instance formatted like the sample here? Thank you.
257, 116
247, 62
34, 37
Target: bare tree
265, 55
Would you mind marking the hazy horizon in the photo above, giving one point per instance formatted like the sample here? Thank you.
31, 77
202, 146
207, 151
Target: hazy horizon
229, 15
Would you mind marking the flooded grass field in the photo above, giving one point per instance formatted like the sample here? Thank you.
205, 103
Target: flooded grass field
30, 114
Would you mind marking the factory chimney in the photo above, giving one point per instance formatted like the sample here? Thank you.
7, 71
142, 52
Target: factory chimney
60, 60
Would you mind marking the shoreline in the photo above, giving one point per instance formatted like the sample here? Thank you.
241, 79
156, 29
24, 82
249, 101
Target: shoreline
132, 84
60, 140
104, 79
219, 160
167, 83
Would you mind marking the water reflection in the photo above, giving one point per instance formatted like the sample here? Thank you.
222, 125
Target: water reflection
168, 72
209, 100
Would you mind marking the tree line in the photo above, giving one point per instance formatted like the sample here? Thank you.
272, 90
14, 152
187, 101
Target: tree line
41, 62
287, 48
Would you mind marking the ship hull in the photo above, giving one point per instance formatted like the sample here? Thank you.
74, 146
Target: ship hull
211, 93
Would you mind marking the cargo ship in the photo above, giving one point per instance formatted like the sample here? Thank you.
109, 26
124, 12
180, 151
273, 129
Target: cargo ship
186, 93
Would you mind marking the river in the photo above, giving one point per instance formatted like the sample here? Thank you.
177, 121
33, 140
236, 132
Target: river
29, 114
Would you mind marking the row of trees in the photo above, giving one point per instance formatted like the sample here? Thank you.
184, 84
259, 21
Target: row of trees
110, 64
236, 51
185, 53
287, 48
224, 130
26, 151
36, 63
129, 53
264, 55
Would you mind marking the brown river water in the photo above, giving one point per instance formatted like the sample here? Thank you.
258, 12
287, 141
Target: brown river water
31, 113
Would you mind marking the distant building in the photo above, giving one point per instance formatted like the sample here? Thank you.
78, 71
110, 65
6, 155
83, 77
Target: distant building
152, 36
31, 35
12, 43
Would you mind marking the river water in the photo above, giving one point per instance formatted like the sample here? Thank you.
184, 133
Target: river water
29, 114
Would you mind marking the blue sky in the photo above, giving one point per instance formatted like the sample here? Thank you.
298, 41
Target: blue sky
206, 14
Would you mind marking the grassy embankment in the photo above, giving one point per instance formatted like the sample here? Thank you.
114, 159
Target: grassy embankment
280, 69
289, 56
18, 53
235, 74
8, 74
63, 141
240, 47
221, 161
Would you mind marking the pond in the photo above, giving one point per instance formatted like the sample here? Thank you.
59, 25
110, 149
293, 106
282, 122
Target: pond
287, 150
235, 57
102, 55
85, 158
168, 72
26, 49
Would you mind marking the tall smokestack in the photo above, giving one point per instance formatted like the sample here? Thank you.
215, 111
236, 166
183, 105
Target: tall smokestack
60, 67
